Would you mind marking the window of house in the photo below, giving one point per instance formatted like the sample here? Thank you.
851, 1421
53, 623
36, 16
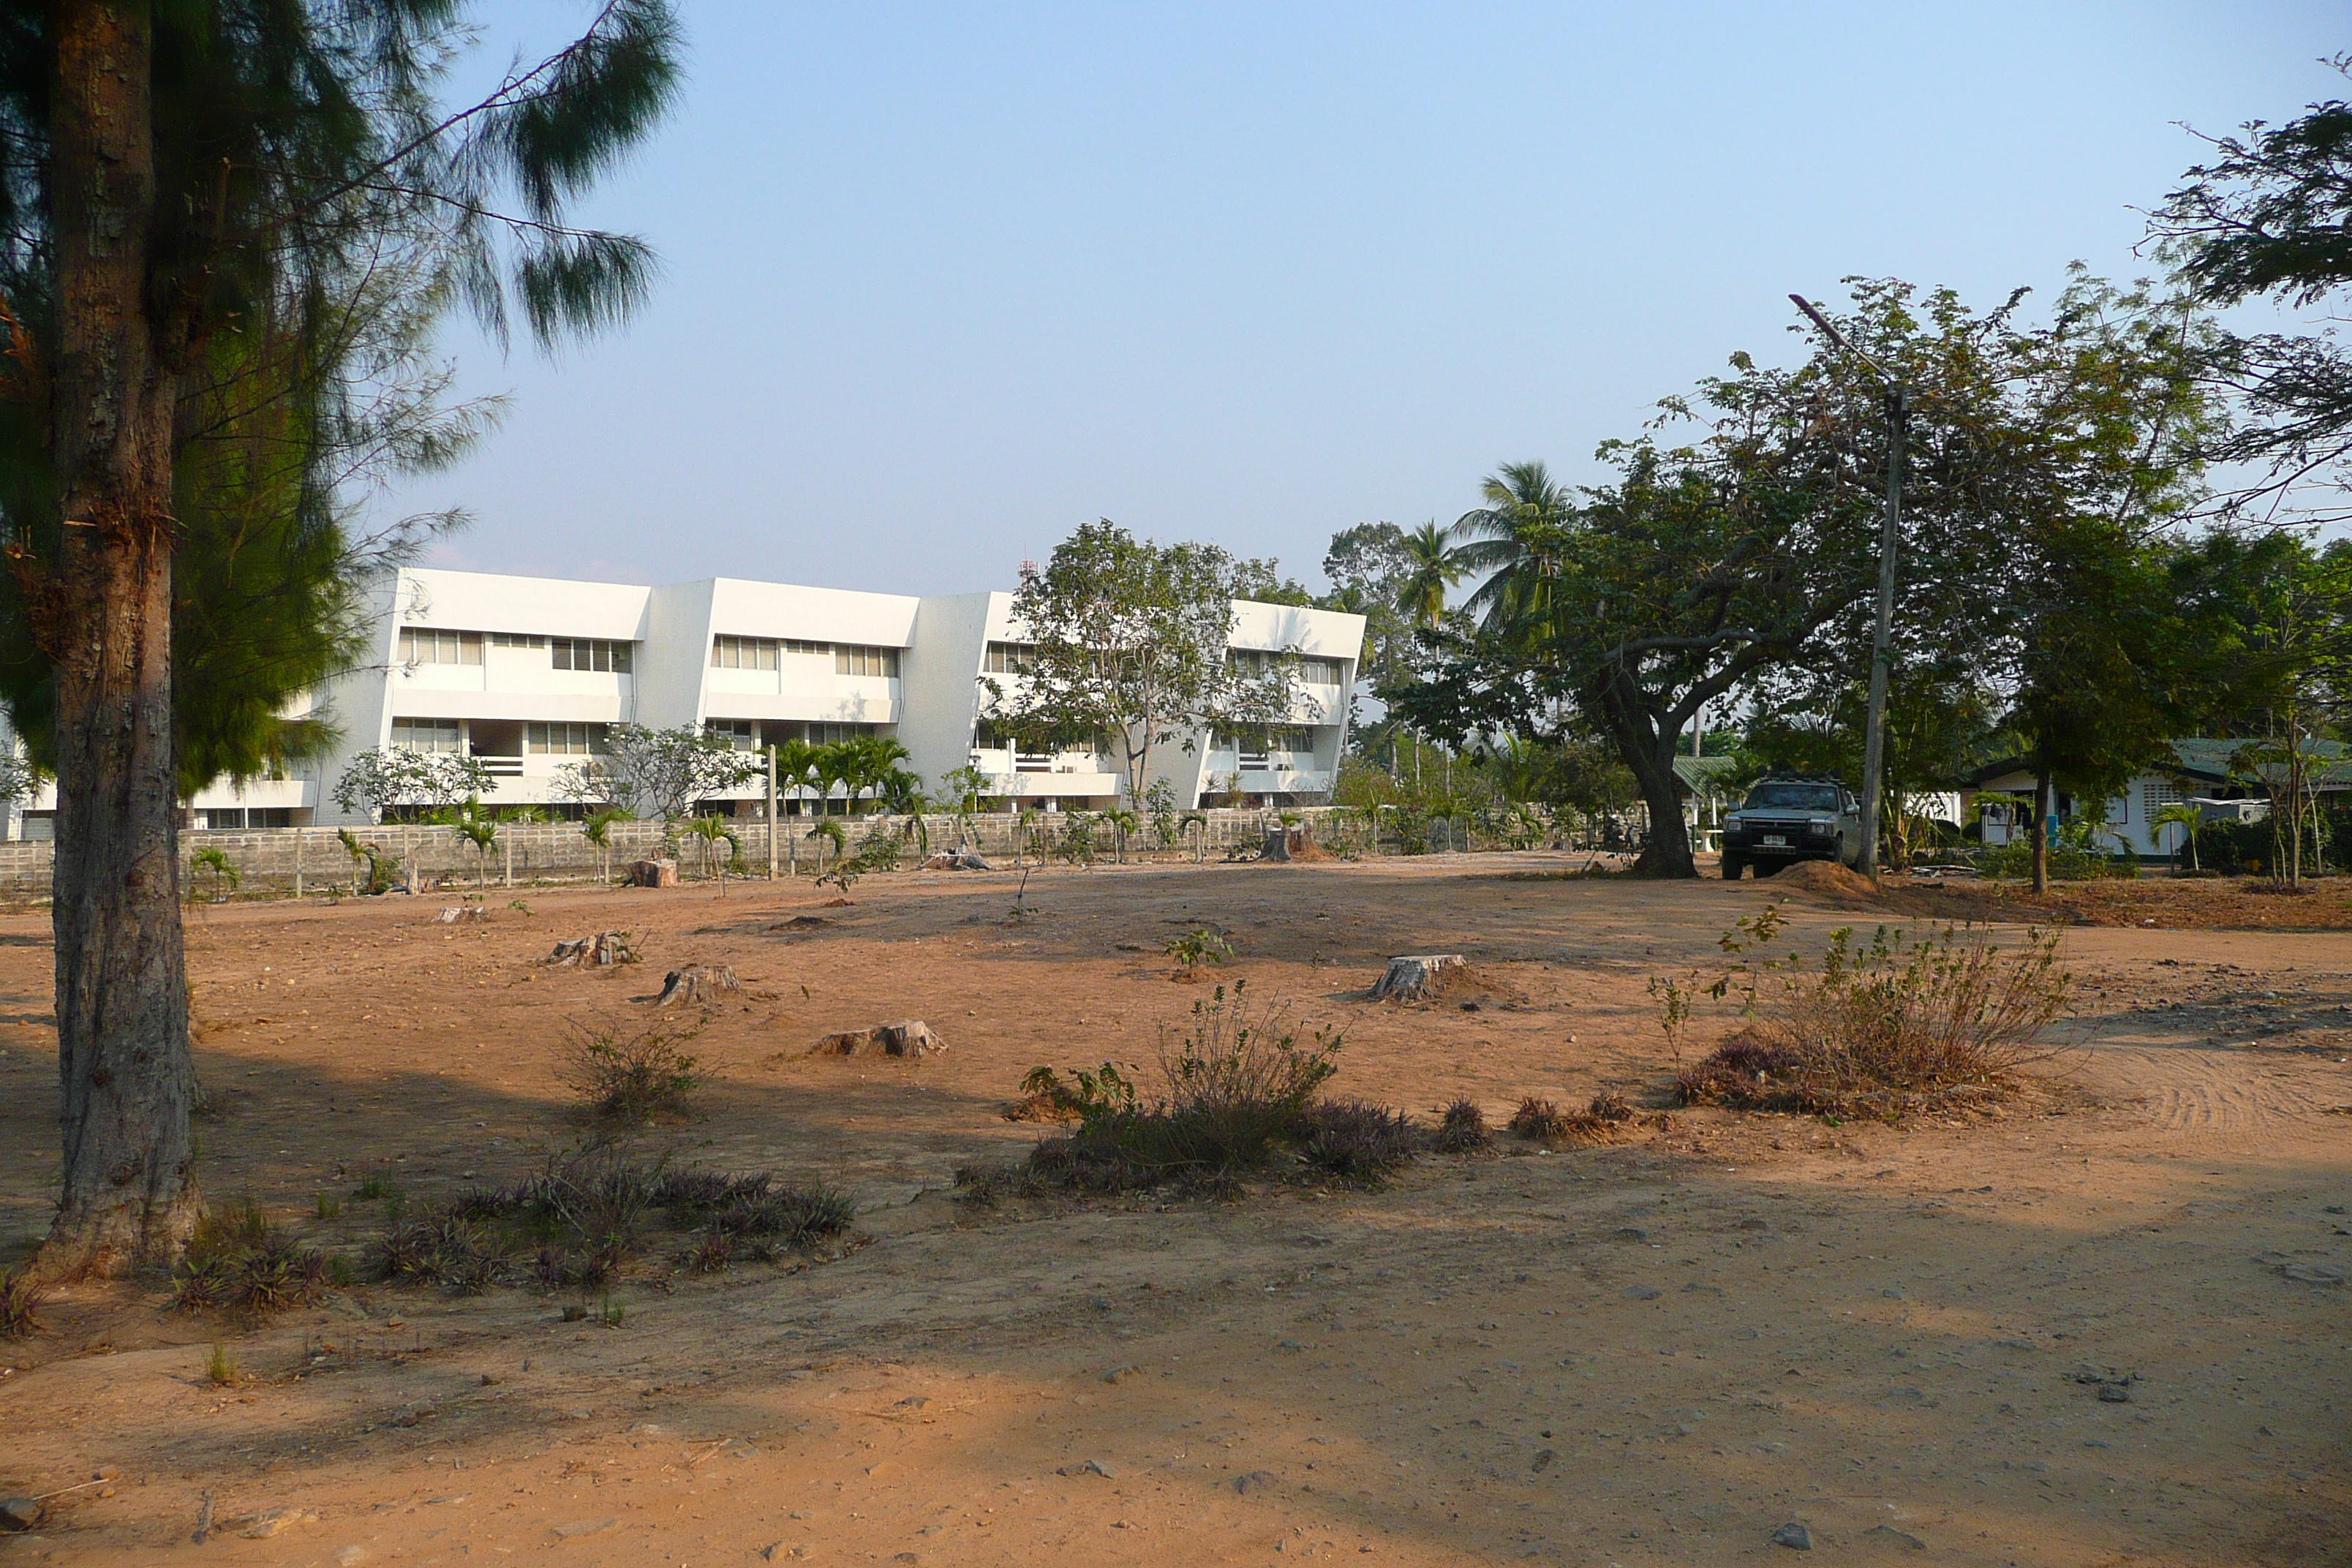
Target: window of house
1010, 658
797, 648
428, 735
589, 653
1317, 670
564, 739
430, 644
851, 659
743, 653
740, 734
516, 640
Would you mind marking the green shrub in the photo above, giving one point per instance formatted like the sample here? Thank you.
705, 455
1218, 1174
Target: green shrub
236, 1258
625, 1073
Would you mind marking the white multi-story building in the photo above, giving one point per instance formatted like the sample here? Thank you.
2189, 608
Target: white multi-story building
524, 674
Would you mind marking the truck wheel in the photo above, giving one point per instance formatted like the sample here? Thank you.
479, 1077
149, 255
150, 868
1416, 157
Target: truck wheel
1732, 866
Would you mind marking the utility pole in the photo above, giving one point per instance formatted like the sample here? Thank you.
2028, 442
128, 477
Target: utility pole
1873, 741
771, 811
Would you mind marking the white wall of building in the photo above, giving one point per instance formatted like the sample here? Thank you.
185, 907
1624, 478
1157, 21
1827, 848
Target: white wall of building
507, 681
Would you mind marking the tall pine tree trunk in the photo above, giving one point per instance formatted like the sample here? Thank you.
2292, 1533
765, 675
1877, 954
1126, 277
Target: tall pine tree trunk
2039, 835
103, 612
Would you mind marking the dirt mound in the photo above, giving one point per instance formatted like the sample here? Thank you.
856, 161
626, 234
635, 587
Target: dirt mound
1828, 878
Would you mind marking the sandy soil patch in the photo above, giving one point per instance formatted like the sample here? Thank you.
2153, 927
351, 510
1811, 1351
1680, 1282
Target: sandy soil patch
2106, 1328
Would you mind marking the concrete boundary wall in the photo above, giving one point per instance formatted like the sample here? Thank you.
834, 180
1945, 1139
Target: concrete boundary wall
279, 860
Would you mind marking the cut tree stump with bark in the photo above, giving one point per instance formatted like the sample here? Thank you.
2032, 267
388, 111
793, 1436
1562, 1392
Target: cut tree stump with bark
1410, 977
699, 983
908, 1038
653, 874
461, 914
606, 947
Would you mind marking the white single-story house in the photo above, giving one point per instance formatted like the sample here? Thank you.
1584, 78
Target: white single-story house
2213, 775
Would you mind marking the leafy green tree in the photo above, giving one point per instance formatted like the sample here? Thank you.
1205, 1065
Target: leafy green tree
651, 773
387, 776
181, 177
1131, 639
2270, 216
1661, 592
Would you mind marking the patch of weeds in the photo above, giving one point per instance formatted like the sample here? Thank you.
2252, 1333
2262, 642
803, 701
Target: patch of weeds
1545, 1122
327, 1208
220, 1366
1941, 1020
585, 1217
375, 1189
1462, 1129
1355, 1141
20, 1301
1237, 1094
626, 1073
236, 1258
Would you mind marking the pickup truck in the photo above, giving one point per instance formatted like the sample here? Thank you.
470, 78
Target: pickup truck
1783, 821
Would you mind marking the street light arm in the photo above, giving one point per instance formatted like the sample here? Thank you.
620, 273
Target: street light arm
1838, 338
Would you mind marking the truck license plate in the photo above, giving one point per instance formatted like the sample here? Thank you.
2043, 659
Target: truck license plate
1774, 841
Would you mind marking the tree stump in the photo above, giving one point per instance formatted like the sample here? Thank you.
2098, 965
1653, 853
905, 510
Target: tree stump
698, 984
1411, 977
909, 1038
461, 914
653, 874
606, 947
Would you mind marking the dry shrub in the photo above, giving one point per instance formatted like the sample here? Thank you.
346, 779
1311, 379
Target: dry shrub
236, 1258
1462, 1129
585, 1215
1237, 1093
1945, 1019
628, 1073
1355, 1141
20, 1301
1545, 1122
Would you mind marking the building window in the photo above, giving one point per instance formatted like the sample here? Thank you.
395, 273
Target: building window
427, 735
1291, 739
239, 818
1255, 664
430, 645
564, 739
780, 734
516, 640
589, 653
743, 653
740, 734
851, 659
1011, 658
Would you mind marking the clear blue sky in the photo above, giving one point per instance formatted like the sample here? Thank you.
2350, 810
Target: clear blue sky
943, 282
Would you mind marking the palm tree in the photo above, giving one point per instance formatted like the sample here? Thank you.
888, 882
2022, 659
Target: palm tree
2186, 817
1436, 565
1507, 541
480, 828
598, 830
1122, 822
870, 762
